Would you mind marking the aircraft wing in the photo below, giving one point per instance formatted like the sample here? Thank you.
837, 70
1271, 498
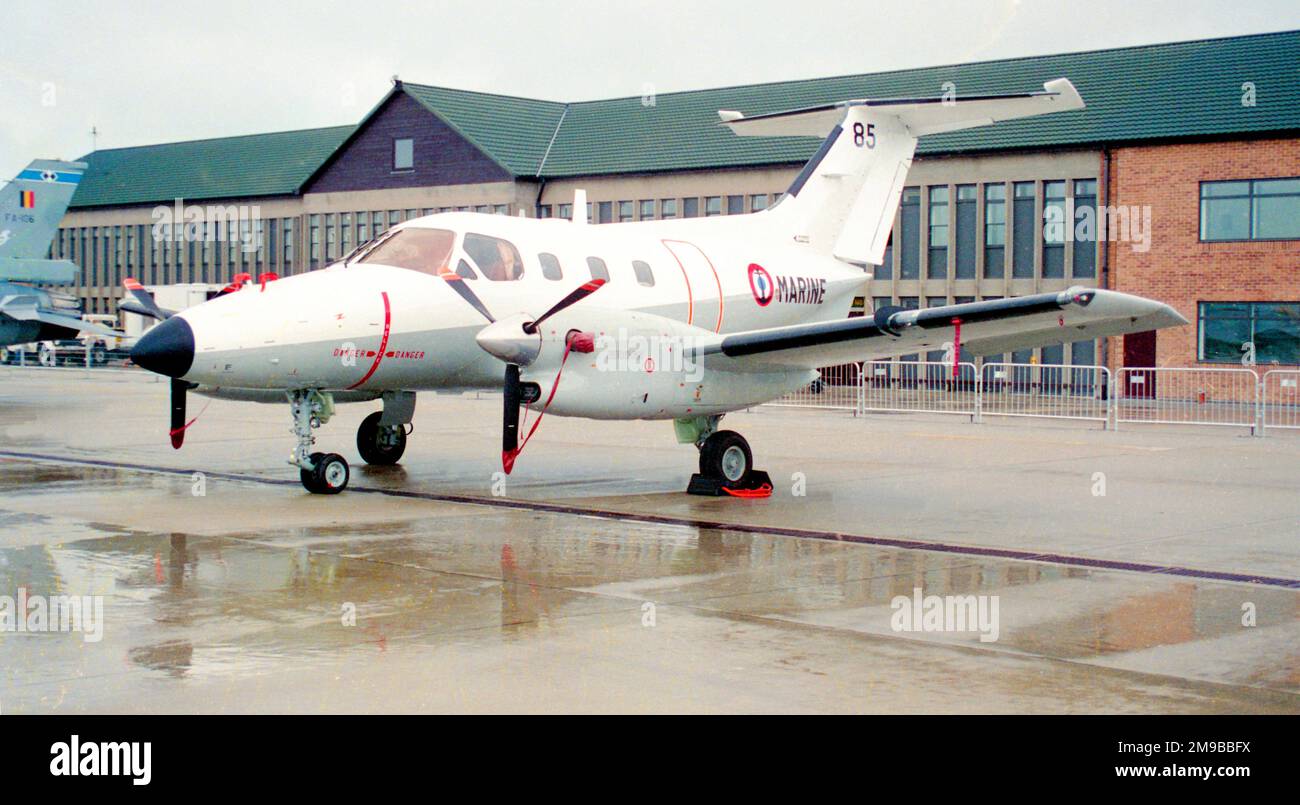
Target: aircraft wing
24, 308
987, 328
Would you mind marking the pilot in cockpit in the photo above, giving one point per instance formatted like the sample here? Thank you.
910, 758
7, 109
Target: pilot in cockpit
506, 266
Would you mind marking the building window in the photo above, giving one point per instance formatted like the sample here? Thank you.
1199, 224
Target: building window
647, 209
605, 211
1054, 224
565, 212
543, 210
964, 237
690, 207
313, 228
1022, 231
995, 230
1227, 331
735, 205
885, 270
363, 228
668, 208
644, 275
550, 266
937, 260
598, 269
910, 228
1259, 209
287, 243
403, 154
758, 203
1085, 236
625, 212
713, 205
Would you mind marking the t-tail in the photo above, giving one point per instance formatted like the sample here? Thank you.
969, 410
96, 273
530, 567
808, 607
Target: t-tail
844, 200
31, 207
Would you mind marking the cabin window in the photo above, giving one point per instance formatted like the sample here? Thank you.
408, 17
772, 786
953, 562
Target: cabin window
497, 259
644, 275
598, 269
427, 250
550, 266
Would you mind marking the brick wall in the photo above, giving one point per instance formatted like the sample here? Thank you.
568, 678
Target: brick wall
1179, 269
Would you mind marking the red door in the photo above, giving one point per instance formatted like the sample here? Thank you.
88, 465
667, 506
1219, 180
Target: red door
1140, 351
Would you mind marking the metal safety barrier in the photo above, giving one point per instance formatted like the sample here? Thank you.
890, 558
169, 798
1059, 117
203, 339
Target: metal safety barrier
1279, 400
1175, 396
921, 387
1045, 390
839, 388
1233, 397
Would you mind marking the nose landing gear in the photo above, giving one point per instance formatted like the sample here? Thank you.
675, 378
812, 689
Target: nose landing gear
320, 473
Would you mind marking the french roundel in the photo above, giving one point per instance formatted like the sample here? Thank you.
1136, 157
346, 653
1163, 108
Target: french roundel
760, 283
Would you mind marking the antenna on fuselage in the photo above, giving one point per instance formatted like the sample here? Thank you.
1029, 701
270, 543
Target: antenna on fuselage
580, 206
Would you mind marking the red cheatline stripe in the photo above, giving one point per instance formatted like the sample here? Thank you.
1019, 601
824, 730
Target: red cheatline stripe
383, 343
132, 284
690, 298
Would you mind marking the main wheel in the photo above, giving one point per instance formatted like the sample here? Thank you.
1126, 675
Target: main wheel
726, 456
98, 355
331, 474
45, 355
380, 444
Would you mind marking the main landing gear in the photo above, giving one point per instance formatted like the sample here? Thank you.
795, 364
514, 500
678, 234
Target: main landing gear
381, 438
726, 461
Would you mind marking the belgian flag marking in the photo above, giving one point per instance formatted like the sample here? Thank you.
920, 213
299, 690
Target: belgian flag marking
27, 199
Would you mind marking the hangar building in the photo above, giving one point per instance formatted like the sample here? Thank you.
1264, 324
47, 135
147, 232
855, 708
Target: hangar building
1188, 151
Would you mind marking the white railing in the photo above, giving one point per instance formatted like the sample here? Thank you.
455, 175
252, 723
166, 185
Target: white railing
1279, 400
921, 387
1175, 396
839, 388
1046, 390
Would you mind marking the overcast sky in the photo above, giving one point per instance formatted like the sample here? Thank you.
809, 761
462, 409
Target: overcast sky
144, 73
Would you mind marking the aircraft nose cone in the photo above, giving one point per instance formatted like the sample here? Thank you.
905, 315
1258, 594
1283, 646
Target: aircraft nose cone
167, 349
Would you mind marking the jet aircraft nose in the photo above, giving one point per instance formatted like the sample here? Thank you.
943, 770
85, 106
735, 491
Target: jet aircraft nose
167, 349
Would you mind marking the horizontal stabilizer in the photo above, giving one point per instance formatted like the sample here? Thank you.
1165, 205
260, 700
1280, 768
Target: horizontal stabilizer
921, 116
49, 272
26, 308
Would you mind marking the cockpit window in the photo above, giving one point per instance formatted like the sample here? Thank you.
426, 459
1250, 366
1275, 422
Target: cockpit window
497, 259
463, 269
427, 250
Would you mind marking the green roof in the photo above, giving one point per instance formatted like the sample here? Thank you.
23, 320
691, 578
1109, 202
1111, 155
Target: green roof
1179, 90
1133, 94
228, 167
514, 132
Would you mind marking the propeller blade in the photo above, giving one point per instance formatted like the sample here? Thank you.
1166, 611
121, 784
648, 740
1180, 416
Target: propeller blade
457, 283
144, 301
179, 387
576, 296
510, 425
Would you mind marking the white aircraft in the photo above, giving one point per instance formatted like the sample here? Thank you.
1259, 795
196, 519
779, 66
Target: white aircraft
681, 320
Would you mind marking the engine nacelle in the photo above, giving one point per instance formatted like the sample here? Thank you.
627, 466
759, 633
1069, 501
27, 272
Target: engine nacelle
643, 367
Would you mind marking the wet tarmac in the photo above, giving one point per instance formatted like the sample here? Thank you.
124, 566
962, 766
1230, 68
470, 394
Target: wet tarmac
590, 583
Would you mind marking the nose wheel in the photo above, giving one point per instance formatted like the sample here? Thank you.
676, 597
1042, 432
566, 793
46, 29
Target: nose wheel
320, 473
328, 476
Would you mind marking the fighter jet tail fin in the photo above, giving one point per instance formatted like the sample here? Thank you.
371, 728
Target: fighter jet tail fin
32, 205
844, 200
